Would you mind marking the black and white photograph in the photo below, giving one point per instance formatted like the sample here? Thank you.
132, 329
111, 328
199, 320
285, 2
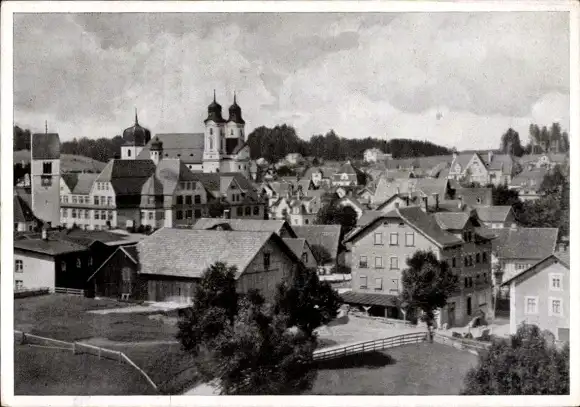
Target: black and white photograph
310, 201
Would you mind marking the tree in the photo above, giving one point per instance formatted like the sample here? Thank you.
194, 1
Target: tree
511, 144
502, 195
427, 284
320, 253
540, 213
525, 364
21, 139
215, 302
334, 214
553, 181
306, 301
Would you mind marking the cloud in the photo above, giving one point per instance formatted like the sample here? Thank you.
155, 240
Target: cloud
378, 75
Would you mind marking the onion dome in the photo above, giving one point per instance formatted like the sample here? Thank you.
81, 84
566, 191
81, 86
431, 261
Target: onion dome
214, 112
136, 135
236, 113
156, 144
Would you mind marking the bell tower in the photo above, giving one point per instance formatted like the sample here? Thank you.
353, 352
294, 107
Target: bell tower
45, 176
213, 137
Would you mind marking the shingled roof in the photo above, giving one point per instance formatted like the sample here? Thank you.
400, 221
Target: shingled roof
493, 213
525, 243
246, 225
51, 247
45, 146
168, 174
475, 196
22, 211
327, 236
296, 245
127, 176
79, 183
451, 220
186, 146
188, 252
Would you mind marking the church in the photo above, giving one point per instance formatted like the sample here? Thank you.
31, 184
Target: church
221, 147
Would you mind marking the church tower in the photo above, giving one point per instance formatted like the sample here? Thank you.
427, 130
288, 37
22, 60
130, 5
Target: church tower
214, 143
135, 138
45, 177
235, 124
236, 148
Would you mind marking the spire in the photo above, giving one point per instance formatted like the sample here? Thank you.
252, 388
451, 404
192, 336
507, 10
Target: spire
235, 97
136, 119
214, 95
46, 127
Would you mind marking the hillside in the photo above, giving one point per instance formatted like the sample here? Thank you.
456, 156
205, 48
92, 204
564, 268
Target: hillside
68, 162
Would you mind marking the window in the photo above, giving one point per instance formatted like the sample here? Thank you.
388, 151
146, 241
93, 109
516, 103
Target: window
179, 215
96, 200
128, 153
150, 215
63, 265
65, 199
90, 261
179, 199
378, 238
555, 309
465, 261
64, 212
305, 258
256, 210
151, 200
466, 283
211, 131
197, 213
484, 257
197, 199
96, 214
188, 200
485, 277
188, 214
531, 305
396, 204
103, 215
87, 216
556, 282
79, 264
266, 261
477, 257
409, 239
394, 263
363, 282
378, 262
47, 168
394, 239
18, 266
240, 211
248, 210
453, 262
363, 262
74, 199
110, 215
378, 284
18, 285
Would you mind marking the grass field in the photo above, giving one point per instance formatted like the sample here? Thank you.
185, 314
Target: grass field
66, 318
421, 369
55, 372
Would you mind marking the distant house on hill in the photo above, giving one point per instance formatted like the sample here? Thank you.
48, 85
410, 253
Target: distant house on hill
348, 175
484, 169
547, 161
528, 184
372, 155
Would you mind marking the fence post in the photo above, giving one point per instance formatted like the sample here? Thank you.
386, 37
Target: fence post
73, 348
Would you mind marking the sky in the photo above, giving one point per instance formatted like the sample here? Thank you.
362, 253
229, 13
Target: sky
456, 79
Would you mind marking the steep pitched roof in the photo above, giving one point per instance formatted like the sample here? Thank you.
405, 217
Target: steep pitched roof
168, 174
451, 220
367, 217
79, 183
525, 243
327, 236
296, 245
189, 252
530, 178
45, 146
246, 225
475, 196
461, 159
127, 176
504, 162
186, 146
428, 225
558, 257
22, 211
493, 213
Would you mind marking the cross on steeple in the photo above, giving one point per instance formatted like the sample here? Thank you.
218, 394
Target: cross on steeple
136, 119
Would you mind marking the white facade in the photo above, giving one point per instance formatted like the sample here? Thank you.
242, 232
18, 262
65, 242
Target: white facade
32, 271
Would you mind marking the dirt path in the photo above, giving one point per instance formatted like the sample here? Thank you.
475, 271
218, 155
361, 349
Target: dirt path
104, 342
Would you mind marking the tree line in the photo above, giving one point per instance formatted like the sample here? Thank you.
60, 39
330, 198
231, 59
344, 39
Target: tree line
274, 144
543, 139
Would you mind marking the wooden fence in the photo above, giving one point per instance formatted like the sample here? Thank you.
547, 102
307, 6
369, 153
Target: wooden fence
72, 291
369, 346
79, 347
470, 345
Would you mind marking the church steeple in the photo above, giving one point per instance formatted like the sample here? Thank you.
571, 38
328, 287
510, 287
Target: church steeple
136, 119
235, 112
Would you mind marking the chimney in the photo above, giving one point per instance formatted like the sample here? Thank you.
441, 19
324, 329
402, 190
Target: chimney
425, 204
436, 195
489, 156
398, 190
44, 232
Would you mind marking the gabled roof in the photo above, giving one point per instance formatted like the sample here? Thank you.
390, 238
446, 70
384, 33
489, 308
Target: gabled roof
168, 173
296, 245
530, 178
186, 146
22, 211
348, 168
558, 257
428, 225
525, 243
129, 251
461, 159
493, 213
475, 196
189, 252
367, 217
425, 163
127, 176
45, 146
79, 183
451, 220
51, 247
246, 225
327, 236
503, 162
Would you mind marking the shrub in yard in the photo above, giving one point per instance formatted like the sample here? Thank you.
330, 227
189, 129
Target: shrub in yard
523, 365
